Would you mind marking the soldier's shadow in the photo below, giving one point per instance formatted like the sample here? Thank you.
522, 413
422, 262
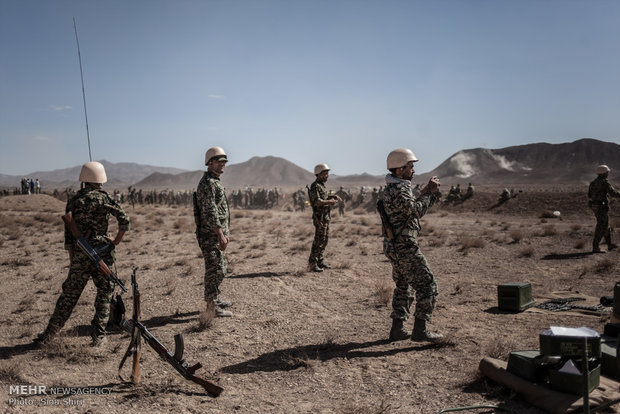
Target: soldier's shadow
154, 322
305, 355
565, 256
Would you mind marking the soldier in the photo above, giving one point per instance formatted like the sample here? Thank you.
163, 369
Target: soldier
598, 193
410, 270
469, 192
504, 196
321, 205
213, 224
91, 208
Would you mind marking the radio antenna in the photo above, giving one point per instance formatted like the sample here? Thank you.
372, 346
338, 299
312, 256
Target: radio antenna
83, 93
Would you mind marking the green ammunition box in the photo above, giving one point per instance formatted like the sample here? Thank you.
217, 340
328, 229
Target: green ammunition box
514, 296
610, 364
569, 346
521, 363
573, 383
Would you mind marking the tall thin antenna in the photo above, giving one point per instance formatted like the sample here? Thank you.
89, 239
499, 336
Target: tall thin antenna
83, 93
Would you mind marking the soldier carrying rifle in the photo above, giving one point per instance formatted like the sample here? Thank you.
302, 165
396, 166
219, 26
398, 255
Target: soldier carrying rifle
91, 208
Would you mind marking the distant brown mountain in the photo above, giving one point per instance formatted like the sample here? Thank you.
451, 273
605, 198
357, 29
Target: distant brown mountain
541, 163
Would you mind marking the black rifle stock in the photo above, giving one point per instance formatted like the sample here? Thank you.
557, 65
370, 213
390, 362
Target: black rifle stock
90, 251
138, 330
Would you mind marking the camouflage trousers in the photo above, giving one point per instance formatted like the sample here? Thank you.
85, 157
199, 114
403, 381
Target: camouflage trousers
81, 270
215, 267
412, 277
321, 234
602, 225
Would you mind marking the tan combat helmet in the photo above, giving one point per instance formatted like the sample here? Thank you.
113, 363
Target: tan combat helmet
400, 157
320, 168
93, 172
602, 169
215, 152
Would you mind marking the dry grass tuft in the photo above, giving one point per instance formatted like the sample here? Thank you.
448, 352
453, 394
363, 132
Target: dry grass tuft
382, 293
526, 252
579, 244
354, 407
469, 242
170, 285
516, 235
15, 263
205, 319
604, 266
549, 230
11, 374
499, 350
575, 227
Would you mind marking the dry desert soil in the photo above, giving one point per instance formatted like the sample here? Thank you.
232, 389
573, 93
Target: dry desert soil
299, 341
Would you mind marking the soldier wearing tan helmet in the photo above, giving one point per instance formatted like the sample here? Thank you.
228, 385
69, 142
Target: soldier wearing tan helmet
401, 212
321, 203
598, 194
212, 228
90, 207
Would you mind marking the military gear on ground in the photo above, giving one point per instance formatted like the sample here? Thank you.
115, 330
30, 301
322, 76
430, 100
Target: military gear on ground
93, 172
214, 152
602, 169
398, 332
320, 168
400, 157
420, 333
514, 296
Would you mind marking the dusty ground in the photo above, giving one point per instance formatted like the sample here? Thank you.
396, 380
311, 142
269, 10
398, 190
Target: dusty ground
299, 341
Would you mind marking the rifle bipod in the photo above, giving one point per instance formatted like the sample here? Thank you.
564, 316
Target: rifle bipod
138, 331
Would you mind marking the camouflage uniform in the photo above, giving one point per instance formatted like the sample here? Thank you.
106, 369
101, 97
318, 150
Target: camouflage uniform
410, 271
91, 209
320, 218
599, 191
214, 213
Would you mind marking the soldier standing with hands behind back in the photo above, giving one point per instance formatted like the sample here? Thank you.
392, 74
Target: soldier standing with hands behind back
321, 203
598, 193
212, 228
410, 270
91, 208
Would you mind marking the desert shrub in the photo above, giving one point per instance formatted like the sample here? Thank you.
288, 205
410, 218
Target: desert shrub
382, 293
604, 266
499, 350
343, 264
469, 242
11, 374
547, 214
549, 230
516, 235
527, 252
575, 227
579, 244
351, 242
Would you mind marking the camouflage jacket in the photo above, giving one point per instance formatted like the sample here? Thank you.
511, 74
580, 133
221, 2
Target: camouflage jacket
91, 209
600, 190
318, 192
403, 209
213, 206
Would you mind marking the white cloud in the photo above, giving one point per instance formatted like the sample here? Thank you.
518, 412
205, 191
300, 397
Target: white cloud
60, 108
213, 96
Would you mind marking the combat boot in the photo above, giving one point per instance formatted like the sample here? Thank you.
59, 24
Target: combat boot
420, 333
222, 313
315, 268
99, 341
323, 265
596, 249
222, 303
611, 246
398, 333
42, 338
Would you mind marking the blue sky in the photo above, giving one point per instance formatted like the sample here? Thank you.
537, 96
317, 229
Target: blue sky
335, 81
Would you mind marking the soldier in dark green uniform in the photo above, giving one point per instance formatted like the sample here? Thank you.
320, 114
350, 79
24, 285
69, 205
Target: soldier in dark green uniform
410, 270
213, 228
91, 208
598, 193
321, 203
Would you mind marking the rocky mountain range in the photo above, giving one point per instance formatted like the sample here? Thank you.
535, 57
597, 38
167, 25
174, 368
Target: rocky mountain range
540, 163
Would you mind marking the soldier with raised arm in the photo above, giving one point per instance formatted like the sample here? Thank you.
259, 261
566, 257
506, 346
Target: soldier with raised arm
410, 270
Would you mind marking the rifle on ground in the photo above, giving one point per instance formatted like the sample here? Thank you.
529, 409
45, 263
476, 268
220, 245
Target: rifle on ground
91, 252
138, 330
